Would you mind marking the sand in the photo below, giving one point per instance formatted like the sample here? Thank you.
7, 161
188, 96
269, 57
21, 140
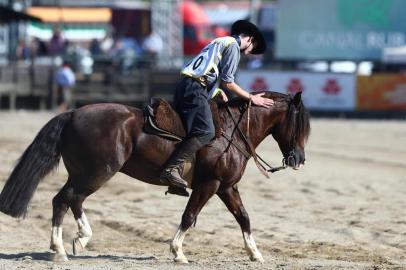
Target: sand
346, 209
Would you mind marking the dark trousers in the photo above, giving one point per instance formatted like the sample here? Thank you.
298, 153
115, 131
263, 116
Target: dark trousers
62, 95
191, 102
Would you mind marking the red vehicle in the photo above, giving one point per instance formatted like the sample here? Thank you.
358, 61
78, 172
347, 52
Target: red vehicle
197, 30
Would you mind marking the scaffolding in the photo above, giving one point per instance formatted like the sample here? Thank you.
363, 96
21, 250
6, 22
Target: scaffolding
167, 22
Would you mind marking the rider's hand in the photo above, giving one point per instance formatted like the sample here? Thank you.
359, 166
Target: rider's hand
223, 96
259, 100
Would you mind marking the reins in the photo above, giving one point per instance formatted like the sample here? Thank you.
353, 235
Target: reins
262, 165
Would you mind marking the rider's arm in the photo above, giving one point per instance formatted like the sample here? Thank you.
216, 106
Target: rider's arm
257, 99
236, 89
228, 68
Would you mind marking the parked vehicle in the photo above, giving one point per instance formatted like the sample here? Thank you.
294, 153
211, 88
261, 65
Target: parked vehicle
197, 30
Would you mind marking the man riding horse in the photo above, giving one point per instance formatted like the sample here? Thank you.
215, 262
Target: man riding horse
215, 66
97, 141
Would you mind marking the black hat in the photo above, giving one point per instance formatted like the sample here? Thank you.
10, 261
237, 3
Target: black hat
248, 28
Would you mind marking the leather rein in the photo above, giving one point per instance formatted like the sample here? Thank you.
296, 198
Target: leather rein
262, 165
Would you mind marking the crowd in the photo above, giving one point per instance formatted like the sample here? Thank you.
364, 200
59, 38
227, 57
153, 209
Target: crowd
124, 53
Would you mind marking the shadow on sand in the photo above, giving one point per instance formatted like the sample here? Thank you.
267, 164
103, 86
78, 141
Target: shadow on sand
46, 256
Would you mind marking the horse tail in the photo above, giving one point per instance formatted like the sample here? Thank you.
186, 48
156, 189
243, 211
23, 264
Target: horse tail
40, 158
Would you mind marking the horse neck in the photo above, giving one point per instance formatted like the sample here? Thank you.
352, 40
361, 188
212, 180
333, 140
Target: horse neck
259, 126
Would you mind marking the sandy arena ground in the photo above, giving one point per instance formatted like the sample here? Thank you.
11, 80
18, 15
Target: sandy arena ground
346, 209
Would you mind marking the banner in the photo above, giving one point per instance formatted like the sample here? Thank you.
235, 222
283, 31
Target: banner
339, 29
321, 91
381, 92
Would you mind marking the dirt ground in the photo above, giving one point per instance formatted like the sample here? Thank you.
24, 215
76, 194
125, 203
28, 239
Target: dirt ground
346, 209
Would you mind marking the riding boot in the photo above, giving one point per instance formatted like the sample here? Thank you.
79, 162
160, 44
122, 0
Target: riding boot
172, 173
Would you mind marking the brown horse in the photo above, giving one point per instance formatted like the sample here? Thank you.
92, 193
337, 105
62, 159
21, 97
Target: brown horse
97, 141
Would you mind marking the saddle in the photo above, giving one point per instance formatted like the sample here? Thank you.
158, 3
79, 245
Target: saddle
162, 120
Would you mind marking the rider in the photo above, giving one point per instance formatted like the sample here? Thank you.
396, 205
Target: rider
214, 66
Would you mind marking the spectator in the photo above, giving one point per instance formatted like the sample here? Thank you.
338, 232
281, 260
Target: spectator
116, 49
65, 79
22, 51
152, 47
123, 54
94, 47
57, 43
152, 44
38, 48
80, 59
106, 44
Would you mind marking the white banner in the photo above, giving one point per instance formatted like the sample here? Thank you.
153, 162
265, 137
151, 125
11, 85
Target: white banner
321, 91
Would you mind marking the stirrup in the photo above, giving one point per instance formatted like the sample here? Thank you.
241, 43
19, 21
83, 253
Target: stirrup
177, 191
168, 179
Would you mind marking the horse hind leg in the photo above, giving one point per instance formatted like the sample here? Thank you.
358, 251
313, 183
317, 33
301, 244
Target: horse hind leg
84, 185
84, 230
69, 197
60, 204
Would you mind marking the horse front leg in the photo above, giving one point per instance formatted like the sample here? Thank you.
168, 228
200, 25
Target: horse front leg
176, 246
198, 199
231, 198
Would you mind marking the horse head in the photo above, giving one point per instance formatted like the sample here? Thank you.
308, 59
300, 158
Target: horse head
291, 128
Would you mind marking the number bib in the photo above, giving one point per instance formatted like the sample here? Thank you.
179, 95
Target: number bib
208, 59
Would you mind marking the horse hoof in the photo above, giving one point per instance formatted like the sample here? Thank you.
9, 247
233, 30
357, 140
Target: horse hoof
77, 246
181, 260
257, 258
179, 256
57, 257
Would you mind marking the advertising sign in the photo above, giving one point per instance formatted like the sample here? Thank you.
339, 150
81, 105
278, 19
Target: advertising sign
339, 29
321, 91
381, 92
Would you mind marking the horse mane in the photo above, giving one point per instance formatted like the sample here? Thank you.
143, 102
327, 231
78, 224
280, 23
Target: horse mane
298, 122
297, 118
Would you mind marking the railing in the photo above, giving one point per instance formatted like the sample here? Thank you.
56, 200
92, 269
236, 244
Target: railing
36, 84
23, 80
110, 86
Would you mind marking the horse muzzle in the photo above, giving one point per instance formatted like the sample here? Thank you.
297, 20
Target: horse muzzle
294, 160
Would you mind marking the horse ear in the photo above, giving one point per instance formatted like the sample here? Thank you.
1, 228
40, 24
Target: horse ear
297, 99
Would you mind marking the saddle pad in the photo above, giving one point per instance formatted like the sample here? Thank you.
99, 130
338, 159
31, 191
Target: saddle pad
167, 119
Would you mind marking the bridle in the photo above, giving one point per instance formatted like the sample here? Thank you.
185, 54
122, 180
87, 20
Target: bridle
262, 165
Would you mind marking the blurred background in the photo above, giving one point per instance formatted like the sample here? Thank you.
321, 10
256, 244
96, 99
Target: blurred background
348, 57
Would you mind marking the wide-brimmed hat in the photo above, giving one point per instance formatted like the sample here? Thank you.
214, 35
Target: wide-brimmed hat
248, 28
